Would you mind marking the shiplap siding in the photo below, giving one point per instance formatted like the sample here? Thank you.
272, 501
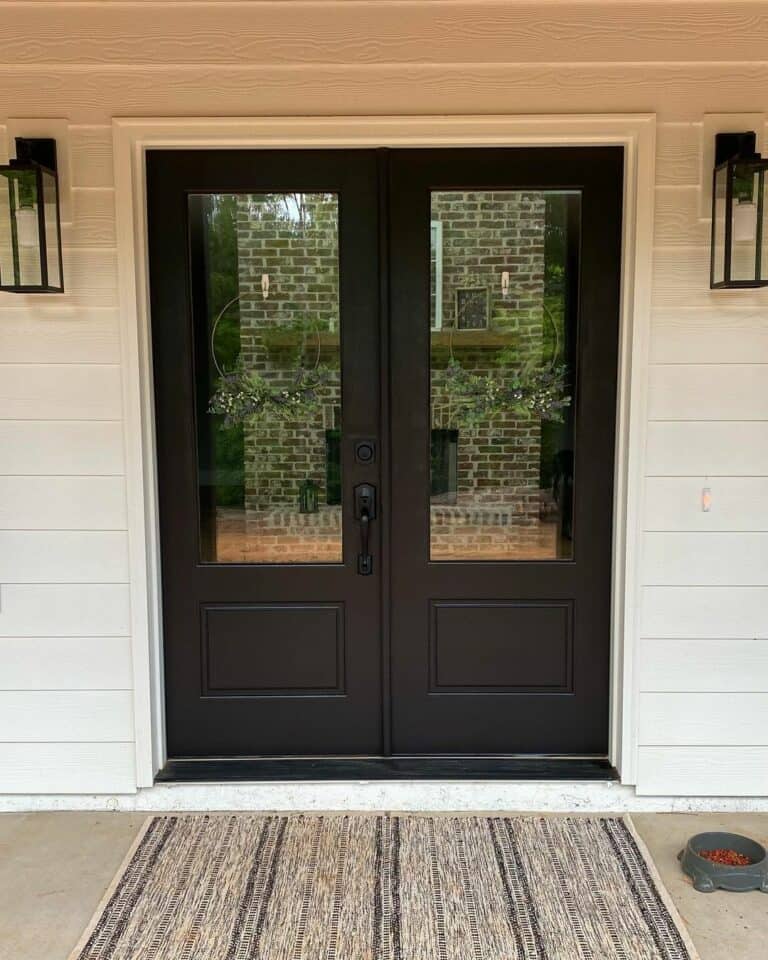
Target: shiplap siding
65, 675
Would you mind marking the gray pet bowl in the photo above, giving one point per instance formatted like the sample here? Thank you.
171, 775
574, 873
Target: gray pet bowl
708, 876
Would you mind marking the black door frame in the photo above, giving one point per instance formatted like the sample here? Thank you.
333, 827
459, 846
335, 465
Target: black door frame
400, 766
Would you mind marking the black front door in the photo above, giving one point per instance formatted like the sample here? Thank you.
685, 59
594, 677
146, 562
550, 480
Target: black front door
385, 406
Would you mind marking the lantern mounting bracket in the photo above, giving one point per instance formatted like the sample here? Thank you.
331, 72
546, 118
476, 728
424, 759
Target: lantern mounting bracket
729, 146
40, 150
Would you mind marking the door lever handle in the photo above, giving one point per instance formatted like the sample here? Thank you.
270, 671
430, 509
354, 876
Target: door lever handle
365, 511
364, 559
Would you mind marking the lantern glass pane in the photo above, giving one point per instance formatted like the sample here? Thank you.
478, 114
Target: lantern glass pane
50, 207
6, 247
718, 234
22, 200
744, 215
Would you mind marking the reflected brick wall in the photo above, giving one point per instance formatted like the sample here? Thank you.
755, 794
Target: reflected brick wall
297, 245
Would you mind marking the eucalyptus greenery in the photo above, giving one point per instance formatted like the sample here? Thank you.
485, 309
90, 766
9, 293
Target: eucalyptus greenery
527, 390
244, 395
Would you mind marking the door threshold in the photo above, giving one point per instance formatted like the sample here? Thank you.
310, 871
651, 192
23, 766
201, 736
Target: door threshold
226, 770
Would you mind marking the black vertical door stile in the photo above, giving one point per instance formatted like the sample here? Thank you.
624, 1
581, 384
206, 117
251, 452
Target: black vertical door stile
503, 657
413, 655
237, 620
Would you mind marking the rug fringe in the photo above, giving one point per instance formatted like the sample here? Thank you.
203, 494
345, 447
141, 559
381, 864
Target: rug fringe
664, 893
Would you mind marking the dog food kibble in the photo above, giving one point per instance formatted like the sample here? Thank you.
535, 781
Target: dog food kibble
728, 858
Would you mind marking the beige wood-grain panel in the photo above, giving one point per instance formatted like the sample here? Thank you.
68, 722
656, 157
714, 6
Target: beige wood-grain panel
740, 612
63, 556
60, 391
308, 33
66, 716
63, 448
675, 92
721, 334
62, 503
737, 503
64, 609
704, 665
677, 153
93, 218
686, 391
65, 663
687, 448
91, 155
676, 220
711, 771
68, 767
718, 559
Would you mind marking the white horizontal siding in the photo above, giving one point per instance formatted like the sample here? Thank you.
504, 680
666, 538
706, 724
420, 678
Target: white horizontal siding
53, 609
62, 503
59, 334
67, 768
708, 392
712, 449
62, 448
710, 336
710, 771
60, 391
736, 504
704, 612
706, 665
66, 716
681, 280
63, 556
703, 719
717, 559
90, 275
65, 663
702, 658
61, 444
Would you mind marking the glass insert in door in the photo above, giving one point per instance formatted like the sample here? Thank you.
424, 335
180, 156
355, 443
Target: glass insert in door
265, 287
504, 302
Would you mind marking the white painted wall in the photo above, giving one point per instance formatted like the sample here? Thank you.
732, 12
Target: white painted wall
702, 657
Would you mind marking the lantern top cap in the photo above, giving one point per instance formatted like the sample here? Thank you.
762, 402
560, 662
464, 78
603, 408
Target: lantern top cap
40, 152
736, 147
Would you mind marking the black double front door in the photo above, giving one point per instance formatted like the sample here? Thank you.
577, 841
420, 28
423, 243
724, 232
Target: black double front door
385, 394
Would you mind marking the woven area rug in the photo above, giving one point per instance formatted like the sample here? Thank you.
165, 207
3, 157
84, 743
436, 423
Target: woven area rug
385, 887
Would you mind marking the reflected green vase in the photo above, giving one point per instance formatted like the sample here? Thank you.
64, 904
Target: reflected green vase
308, 497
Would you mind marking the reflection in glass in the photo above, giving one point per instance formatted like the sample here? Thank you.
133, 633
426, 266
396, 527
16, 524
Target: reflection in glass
265, 281
503, 353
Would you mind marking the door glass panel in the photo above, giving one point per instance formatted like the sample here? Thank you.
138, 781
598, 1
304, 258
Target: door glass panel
265, 287
503, 350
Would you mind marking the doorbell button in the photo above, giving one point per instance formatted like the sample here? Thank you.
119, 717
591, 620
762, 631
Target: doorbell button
365, 451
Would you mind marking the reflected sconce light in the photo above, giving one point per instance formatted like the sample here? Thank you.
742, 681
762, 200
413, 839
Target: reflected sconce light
739, 221
265, 286
30, 220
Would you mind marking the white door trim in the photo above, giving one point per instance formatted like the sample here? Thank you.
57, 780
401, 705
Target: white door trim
133, 136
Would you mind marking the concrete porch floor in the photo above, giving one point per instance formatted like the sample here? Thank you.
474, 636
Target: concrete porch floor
55, 867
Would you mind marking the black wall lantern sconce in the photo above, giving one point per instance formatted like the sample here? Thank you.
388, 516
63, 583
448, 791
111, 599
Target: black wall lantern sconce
30, 221
739, 222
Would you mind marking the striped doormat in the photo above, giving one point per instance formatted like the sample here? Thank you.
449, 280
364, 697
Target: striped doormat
385, 887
